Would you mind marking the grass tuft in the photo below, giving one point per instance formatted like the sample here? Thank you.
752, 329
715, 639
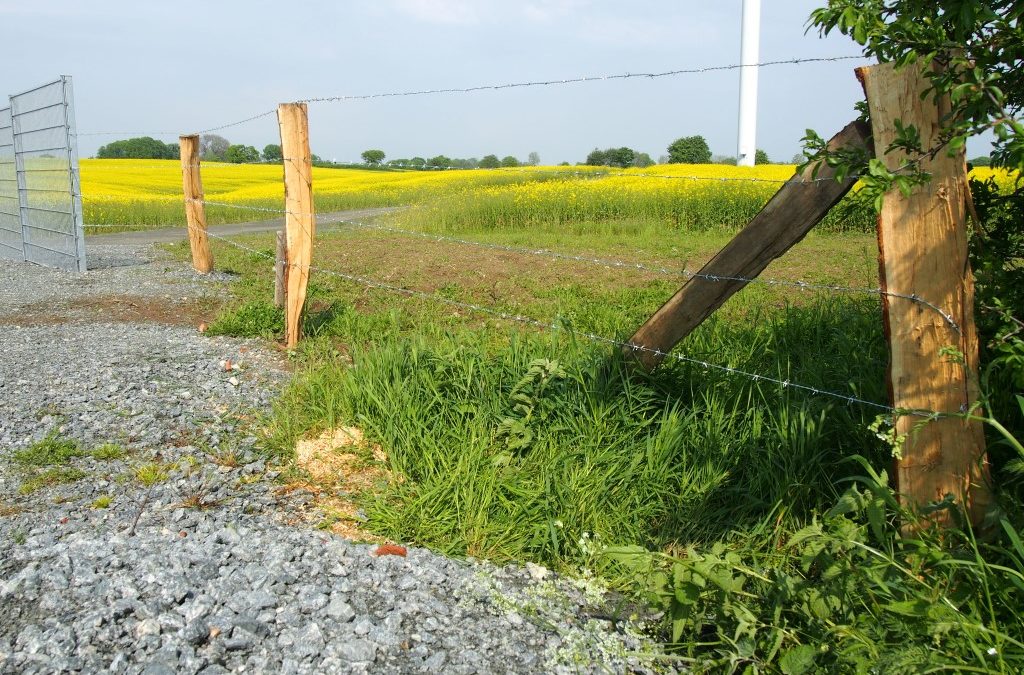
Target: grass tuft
54, 476
108, 451
49, 451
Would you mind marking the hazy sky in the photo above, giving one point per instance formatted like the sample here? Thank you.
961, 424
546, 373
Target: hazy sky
184, 66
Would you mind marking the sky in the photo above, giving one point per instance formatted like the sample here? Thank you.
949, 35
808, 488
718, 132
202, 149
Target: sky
140, 68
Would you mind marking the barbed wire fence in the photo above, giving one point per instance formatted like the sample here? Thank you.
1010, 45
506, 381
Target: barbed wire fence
574, 173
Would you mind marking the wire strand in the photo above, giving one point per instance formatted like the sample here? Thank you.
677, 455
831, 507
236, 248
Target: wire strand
603, 262
575, 80
518, 318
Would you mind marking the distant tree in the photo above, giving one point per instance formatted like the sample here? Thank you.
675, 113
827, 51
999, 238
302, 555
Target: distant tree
723, 159
272, 153
983, 160
689, 150
564, 164
143, 147
315, 158
798, 158
761, 157
490, 162
174, 150
417, 162
509, 161
213, 147
662, 159
439, 162
597, 158
533, 159
620, 157
642, 160
242, 154
398, 163
373, 157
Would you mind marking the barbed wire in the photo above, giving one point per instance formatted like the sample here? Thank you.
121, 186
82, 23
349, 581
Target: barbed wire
603, 262
685, 273
537, 323
497, 87
574, 80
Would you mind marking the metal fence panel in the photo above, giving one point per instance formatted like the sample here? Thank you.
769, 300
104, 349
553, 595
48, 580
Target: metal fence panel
10, 214
45, 157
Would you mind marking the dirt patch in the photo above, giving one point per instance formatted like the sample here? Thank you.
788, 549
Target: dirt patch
341, 465
116, 309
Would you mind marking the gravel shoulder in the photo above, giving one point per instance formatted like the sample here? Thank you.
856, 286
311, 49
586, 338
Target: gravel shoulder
163, 541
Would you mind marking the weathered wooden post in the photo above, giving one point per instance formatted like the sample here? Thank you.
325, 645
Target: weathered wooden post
195, 210
280, 269
922, 242
300, 223
786, 219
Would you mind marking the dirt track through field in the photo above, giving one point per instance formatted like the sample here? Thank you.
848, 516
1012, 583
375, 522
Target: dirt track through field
172, 234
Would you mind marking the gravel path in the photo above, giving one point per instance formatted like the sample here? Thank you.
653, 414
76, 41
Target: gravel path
165, 543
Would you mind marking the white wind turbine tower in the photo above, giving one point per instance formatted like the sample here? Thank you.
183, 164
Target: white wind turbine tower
746, 144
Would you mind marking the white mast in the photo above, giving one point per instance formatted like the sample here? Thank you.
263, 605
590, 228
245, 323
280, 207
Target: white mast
746, 144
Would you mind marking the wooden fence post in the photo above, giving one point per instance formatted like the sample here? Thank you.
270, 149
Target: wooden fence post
300, 223
195, 210
280, 269
790, 214
922, 241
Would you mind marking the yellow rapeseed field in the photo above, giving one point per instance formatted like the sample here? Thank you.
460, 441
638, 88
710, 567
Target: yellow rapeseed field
685, 196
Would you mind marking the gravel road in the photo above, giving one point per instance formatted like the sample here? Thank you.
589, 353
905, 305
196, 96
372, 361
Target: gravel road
164, 543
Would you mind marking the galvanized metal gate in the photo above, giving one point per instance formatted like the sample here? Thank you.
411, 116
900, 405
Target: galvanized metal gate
40, 188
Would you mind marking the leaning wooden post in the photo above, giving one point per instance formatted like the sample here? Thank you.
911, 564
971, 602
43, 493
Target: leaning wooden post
280, 269
785, 220
922, 241
195, 211
300, 224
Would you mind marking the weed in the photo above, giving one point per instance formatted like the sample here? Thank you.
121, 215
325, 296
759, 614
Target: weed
9, 510
102, 502
151, 473
254, 319
227, 457
53, 476
19, 537
49, 451
108, 451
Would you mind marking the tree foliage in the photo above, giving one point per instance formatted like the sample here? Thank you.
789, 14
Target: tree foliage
618, 157
373, 157
490, 162
970, 51
761, 157
213, 147
143, 147
242, 154
689, 150
272, 153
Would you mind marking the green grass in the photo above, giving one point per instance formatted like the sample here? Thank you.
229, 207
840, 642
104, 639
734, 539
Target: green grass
151, 473
57, 475
51, 450
108, 451
518, 444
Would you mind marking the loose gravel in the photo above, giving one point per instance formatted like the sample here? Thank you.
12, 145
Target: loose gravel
165, 543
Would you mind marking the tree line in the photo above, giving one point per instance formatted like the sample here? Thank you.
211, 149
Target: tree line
685, 150
212, 148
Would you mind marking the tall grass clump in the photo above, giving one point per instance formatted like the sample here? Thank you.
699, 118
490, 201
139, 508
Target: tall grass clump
514, 452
